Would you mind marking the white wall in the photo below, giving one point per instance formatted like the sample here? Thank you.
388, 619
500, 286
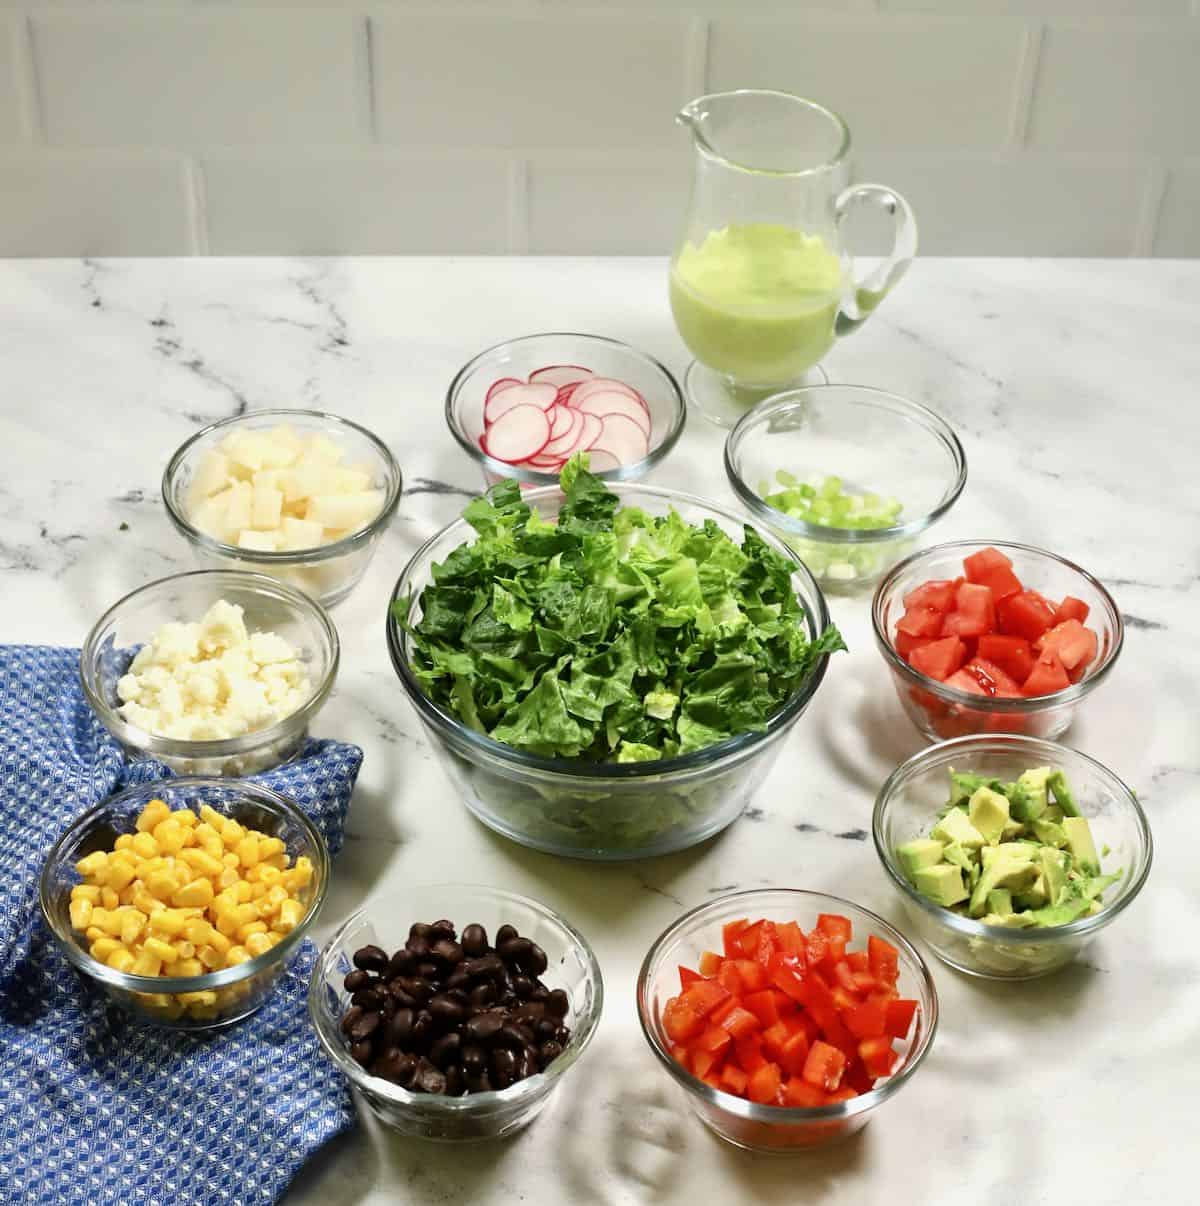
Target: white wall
1044, 127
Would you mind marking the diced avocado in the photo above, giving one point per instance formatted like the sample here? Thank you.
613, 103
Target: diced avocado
988, 812
1012, 873
943, 884
1023, 804
1053, 813
1034, 782
961, 857
1014, 921
1021, 851
954, 827
1071, 905
963, 785
1080, 844
1050, 833
999, 900
1054, 868
1096, 885
922, 852
1035, 896
1061, 790
1014, 829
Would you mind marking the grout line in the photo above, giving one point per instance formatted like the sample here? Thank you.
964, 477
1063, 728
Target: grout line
197, 198
28, 93
1154, 192
1026, 86
368, 72
695, 58
518, 207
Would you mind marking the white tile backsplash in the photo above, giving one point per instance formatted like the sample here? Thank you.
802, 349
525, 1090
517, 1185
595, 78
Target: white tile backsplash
1034, 127
170, 78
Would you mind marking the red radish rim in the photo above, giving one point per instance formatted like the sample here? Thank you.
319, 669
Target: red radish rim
514, 458
496, 386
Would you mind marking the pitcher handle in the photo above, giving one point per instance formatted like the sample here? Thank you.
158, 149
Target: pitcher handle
868, 293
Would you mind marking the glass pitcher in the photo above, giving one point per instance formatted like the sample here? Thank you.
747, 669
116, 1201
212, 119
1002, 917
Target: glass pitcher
761, 281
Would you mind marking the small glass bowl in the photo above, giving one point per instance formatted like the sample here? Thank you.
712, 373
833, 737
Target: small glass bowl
910, 801
942, 712
876, 443
235, 992
605, 810
745, 1123
605, 357
328, 572
385, 921
269, 606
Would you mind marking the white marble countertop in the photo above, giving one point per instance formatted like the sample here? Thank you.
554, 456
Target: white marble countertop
1073, 386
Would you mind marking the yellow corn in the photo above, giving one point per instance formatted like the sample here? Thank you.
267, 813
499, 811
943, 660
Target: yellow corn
244, 892
103, 947
94, 933
81, 913
168, 921
133, 923
108, 898
258, 943
204, 997
185, 817
121, 959
86, 892
290, 913
162, 884
93, 864
268, 847
236, 955
170, 836
190, 966
251, 927
144, 845
163, 950
123, 842
201, 861
210, 957
147, 903
146, 964
152, 814
231, 832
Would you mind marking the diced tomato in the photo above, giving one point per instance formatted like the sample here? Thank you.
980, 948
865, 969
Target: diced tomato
931, 703
702, 1061
680, 1021
794, 1053
1047, 676
799, 1094
884, 959
710, 964
992, 679
705, 995
1075, 645
974, 612
938, 595
920, 622
729, 979
792, 943
687, 976
752, 974
764, 1007
964, 680
824, 1066
939, 659
764, 1085
713, 1038
1025, 615
899, 1018
877, 1056
775, 1038
1071, 609
834, 925
740, 1022
905, 644
729, 937
991, 568
734, 1080
868, 1020
858, 961
749, 1054
1013, 655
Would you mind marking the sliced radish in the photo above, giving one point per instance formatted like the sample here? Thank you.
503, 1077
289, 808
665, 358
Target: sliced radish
593, 429
623, 438
560, 445
541, 396
565, 392
610, 402
542, 461
497, 386
561, 419
518, 434
561, 374
600, 461
597, 384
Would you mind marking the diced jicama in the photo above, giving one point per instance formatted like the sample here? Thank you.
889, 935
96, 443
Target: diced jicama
259, 542
211, 477
300, 533
323, 448
265, 508
309, 476
209, 517
351, 511
238, 500
247, 448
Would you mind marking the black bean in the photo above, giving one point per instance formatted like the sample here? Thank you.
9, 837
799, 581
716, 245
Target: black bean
549, 1051
390, 1005
511, 1036
357, 979
482, 994
399, 995
368, 998
540, 992
351, 1016
545, 1029
479, 1084
474, 941
527, 1065
526, 1033
483, 1027
422, 1029
427, 970
504, 934
562, 1035
399, 1029
370, 958
445, 1050
536, 961
392, 1065
489, 966
418, 929
474, 1059
456, 1082
365, 1026
458, 979
445, 1011
428, 1079
361, 1052
457, 994
447, 952
415, 987
558, 1004
442, 929
400, 964
523, 987
529, 1013
504, 1067
515, 950
418, 948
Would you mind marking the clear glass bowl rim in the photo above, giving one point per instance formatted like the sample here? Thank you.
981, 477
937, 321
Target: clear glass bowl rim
531, 476
994, 703
174, 747
740, 1106
608, 772
296, 557
1041, 753
922, 415
528, 1089
257, 792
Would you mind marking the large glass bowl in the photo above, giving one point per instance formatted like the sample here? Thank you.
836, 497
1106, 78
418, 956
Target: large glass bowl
766, 1127
942, 711
328, 572
231, 993
908, 806
602, 810
877, 443
384, 921
605, 357
269, 606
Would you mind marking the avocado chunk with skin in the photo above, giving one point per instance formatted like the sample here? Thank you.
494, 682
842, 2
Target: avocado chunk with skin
1080, 844
999, 900
954, 827
963, 785
1012, 921
988, 812
1054, 869
1013, 830
1034, 784
1035, 895
1050, 833
1012, 873
921, 852
1023, 804
943, 884
1061, 791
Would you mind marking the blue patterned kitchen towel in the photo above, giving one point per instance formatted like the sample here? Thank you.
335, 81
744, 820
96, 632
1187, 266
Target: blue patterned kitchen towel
93, 1108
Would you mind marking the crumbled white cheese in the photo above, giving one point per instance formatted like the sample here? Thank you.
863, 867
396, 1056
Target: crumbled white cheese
212, 680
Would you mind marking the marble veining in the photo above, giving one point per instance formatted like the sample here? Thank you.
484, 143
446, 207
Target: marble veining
1072, 384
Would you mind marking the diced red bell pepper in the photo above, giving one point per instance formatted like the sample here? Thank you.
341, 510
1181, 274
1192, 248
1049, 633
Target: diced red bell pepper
785, 977
730, 932
920, 622
687, 976
884, 959
1071, 609
974, 612
748, 1052
713, 1080
865, 983
679, 1053
991, 568
800, 1095
868, 1020
703, 1062
856, 1077
740, 1022
817, 946
824, 1066
877, 1056
710, 964
764, 1007
794, 1053
752, 974
1012, 654
843, 974
843, 999
774, 1039
767, 944
1075, 645
729, 979
764, 1085
938, 594
834, 925
705, 995
734, 1080
747, 941
939, 659
858, 960
680, 1021
844, 1093
899, 1018
1025, 615
792, 943
713, 1038
1047, 676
